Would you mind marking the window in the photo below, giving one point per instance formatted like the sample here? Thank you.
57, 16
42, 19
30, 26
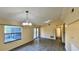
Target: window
12, 33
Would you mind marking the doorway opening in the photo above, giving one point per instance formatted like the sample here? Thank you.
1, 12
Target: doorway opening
36, 33
58, 33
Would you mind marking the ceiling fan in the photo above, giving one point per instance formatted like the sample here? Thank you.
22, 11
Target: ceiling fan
27, 22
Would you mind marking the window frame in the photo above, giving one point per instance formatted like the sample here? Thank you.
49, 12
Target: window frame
12, 33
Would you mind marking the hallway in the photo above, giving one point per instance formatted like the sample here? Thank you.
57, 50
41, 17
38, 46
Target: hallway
42, 45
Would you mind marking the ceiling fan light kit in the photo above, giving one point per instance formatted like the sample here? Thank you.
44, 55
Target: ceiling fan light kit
27, 23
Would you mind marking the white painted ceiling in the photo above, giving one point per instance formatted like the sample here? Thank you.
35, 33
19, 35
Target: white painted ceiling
37, 15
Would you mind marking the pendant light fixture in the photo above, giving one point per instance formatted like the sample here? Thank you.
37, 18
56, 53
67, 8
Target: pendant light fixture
27, 22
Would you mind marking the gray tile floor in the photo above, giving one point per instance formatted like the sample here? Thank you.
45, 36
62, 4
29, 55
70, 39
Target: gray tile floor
43, 45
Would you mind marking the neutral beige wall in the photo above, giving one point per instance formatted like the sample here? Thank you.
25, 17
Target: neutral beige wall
27, 35
49, 30
72, 35
72, 28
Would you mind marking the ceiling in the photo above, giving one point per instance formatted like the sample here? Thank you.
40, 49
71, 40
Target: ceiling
37, 15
